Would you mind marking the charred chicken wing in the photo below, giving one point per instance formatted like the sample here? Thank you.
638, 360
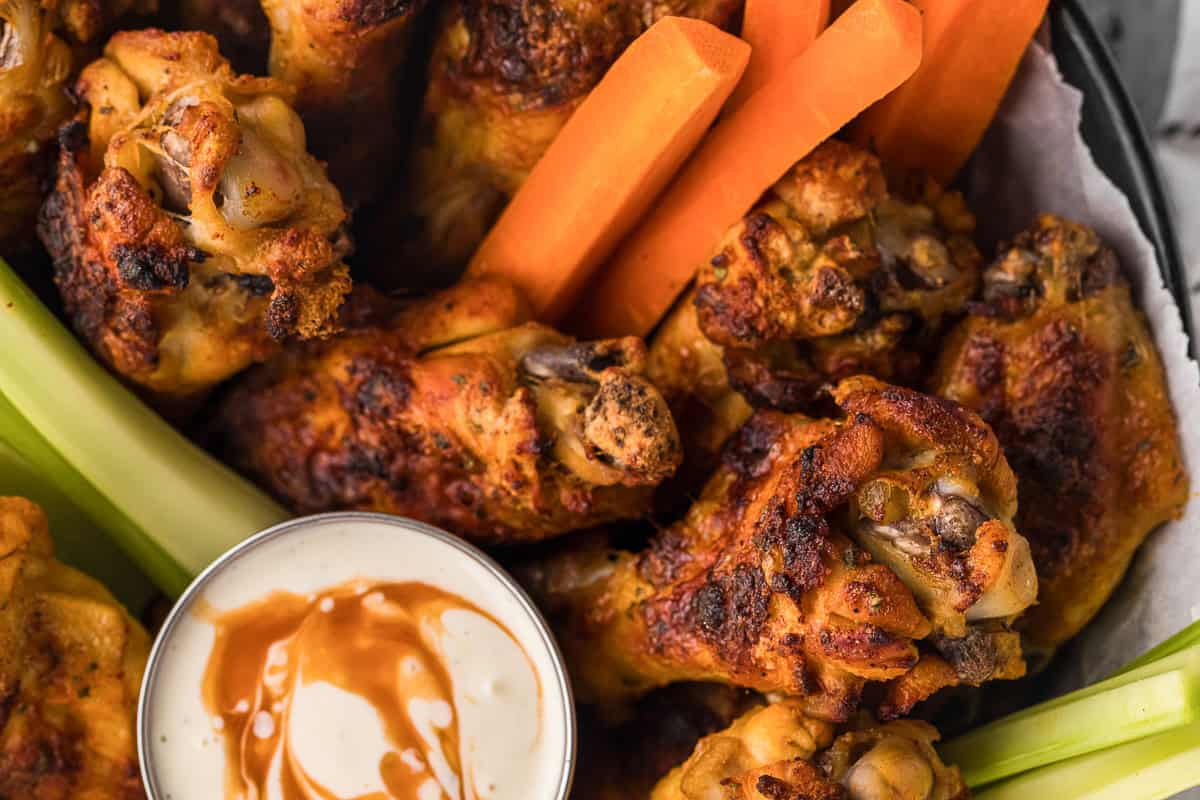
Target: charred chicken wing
71, 662
191, 231
504, 77
778, 752
345, 58
839, 271
815, 559
1060, 363
460, 411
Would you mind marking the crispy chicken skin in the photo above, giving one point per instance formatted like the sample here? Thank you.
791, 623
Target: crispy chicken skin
779, 753
345, 58
191, 232
841, 270
815, 559
71, 662
504, 77
462, 412
1060, 363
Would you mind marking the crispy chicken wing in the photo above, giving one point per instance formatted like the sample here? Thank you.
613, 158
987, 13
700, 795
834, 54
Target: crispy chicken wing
71, 662
778, 752
839, 271
462, 412
1060, 363
345, 58
504, 77
815, 559
191, 231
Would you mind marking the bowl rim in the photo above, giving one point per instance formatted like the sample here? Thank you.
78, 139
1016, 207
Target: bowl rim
564, 694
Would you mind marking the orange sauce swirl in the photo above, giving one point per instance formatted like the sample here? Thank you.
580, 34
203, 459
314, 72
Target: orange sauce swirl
379, 641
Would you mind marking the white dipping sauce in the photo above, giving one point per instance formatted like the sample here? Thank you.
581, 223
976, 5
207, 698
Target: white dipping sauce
355, 656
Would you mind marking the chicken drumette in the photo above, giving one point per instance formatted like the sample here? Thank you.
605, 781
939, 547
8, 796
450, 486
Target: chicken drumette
777, 752
71, 662
460, 411
345, 58
815, 559
1060, 363
191, 231
839, 271
504, 78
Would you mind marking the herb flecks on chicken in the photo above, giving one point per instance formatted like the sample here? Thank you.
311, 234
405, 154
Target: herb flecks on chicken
1060, 363
839, 271
71, 662
461, 411
785, 575
778, 752
190, 229
504, 78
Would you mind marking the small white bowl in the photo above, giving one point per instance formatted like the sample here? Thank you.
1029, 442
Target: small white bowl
294, 556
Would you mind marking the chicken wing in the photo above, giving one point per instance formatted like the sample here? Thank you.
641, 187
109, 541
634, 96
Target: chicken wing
71, 662
504, 77
841, 270
1060, 363
461, 412
778, 752
191, 232
814, 560
345, 59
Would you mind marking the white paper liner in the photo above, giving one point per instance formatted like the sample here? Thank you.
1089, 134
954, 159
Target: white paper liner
1034, 160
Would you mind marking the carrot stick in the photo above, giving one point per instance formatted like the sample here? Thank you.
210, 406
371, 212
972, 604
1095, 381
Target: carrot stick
972, 49
870, 50
611, 159
778, 31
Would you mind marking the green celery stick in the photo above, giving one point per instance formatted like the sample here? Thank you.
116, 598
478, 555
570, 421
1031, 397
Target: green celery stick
174, 503
1186, 638
1153, 768
1014, 745
77, 540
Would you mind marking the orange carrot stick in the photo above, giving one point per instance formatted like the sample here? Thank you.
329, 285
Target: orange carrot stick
778, 31
972, 49
869, 51
611, 159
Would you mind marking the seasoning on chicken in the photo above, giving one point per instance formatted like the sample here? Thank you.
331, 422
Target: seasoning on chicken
839, 271
345, 59
71, 662
795, 572
1060, 363
504, 77
191, 232
461, 412
778, 752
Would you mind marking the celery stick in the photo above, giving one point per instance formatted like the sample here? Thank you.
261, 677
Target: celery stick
1013, 745
45, 461
77, 540
1186, 638
1154, 768
175, 497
